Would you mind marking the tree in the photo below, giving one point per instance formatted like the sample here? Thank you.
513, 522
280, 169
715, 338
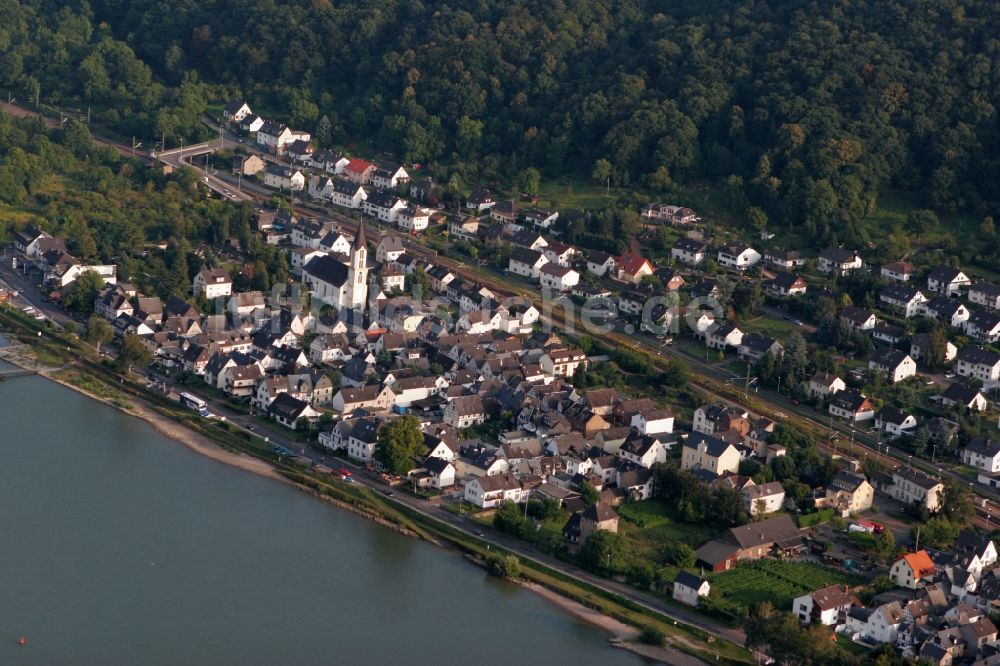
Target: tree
589, 493
679, 554
957, 504
987, 228
83, 291
98, 331
602, 172
603, 552
756, 218
504, 566
134, 353
937, 349
399, 443
529, 180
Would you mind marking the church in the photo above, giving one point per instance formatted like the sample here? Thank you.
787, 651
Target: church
344, 286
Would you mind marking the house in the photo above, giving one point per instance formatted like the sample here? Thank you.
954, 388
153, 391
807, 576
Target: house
787, 284
983, 326
751, 542
715, 419
859, 318
978, 363
369, 397
895, 364
655, 421
828, 606
671, 279
292, 412
388, 178
212, 283
982, 452
879, 625
236, 110
903, 298
383, 206
562, 362
895, 422
300, 151
764, 498
487, 492
277, 136
738, 256
722, 335
600, 263
838, 261
921, 343
348, 194
560, 254
464, 229
526, 262
709, 453
849, 493
540, 217
251, 123
897, 271
644, 451
658, 212
688, 588
754, 347
320, 187
464, 412
786, 259
962, 395
389, 248
888, 333
284, 178
986, 294
557, 278
480, 200
689, 251
947, 280
440, 277
824, 384
632, 268
409, 390
413, 218
948, 310
248, 165
910, 486
441, 472
909, 570
851, 405
595, 517
505, 212
358, 171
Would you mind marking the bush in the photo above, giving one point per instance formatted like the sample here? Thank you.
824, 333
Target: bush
652, 636
810, 519
503, 566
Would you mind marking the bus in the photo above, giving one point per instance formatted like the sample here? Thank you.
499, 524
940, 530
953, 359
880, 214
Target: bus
194, 402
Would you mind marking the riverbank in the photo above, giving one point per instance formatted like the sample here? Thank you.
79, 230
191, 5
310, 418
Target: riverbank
94, 380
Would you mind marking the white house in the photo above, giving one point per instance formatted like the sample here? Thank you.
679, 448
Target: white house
212, 283
689, 251
979, 363
526, 262
236, 110
982, 452
644, 451
851, 405
894, 422
909, 570
562, 362
947, 280
911, 486
413, 218
284, 178
389, 178
880, 625
464, 412
722, 335
984, 326
688, 588
738, 256
557, 278
895, 364
763, 498
347, 194
600, 263
904, 298
898, 271
839, 261
945, 309
487, 492
828, 606
824, 384
384, 206
986, 294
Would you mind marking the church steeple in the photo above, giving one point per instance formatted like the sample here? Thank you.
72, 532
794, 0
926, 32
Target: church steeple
358, 271
360, 242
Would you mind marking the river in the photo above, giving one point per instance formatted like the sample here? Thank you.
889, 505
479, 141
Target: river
120, 546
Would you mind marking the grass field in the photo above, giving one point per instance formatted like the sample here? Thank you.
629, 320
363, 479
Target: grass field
650, 525
776, 582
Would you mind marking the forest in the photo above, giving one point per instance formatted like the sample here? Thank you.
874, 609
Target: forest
806, 111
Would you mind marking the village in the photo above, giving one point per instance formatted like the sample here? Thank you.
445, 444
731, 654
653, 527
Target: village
561, 440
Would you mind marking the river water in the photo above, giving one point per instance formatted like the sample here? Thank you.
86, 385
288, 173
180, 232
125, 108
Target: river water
119, 546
